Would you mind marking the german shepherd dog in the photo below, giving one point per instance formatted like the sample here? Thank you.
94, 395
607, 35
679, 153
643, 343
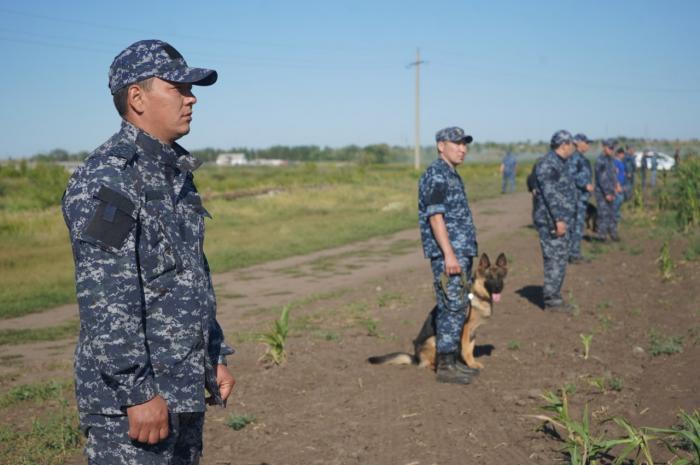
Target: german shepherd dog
485, 291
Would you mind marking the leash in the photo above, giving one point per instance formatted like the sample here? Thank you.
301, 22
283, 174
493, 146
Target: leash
466, 288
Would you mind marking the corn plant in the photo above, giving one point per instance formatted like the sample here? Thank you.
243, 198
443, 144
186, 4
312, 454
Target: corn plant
276, 339
665, 262
687, 195
580, 445
586, 339
683, 440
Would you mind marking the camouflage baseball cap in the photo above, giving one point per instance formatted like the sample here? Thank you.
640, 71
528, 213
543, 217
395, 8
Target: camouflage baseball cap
453, 134
561, 137
610, 143
580, 137
148, 58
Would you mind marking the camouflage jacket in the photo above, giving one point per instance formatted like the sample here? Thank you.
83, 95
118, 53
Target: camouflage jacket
147, 307
581, 173
441, 190
605, 175
556, 194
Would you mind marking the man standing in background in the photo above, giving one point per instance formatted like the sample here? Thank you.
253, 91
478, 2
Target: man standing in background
582, 175
606, 190
630, 168
619, 161
553, 214
509, 167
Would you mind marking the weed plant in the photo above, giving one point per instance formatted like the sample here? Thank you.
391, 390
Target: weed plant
660, 344
276, 339
665, 262
586, 340
238, 422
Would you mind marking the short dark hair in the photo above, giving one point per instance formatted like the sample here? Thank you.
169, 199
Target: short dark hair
120, 98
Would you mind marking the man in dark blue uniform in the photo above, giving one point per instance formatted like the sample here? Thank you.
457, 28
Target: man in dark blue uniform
449, 241
554, 214
606, 188
582, 174
149, 346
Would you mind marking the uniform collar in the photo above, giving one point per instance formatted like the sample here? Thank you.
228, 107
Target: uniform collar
170, 155
446, 165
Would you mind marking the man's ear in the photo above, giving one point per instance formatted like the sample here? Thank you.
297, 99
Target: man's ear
441, 146
135, 99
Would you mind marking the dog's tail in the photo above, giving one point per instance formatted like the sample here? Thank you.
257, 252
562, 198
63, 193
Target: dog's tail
394, 358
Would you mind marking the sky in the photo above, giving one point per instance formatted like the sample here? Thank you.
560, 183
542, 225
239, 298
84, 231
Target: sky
333, 73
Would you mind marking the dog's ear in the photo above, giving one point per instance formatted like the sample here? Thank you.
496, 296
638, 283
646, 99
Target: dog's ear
502, 262
484, 262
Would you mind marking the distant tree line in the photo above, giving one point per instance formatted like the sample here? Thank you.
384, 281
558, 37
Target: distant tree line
384, 153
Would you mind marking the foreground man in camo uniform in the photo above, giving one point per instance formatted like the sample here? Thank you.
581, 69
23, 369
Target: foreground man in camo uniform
449, 241
150, 346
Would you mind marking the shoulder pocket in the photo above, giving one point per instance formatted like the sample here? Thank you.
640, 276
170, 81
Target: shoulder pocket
112, 220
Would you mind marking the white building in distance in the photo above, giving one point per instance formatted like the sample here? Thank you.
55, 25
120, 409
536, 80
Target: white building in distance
231, 159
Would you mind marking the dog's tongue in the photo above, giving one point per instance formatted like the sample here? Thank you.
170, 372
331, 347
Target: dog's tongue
496, 297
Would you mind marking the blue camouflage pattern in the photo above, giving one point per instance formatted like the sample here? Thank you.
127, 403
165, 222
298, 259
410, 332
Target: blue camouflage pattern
452, 304
149, 58
555, 200
147, 306
441, 190
561, 137
453, 134
582, 175
108, 442
605, 182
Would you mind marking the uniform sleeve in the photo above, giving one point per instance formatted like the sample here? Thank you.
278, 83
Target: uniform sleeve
582, 174
548, 177
435, 195
101, 215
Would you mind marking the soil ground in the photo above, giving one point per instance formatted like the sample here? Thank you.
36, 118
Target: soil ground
327, 405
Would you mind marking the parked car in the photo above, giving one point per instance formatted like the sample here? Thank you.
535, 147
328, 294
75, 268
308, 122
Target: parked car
665, 162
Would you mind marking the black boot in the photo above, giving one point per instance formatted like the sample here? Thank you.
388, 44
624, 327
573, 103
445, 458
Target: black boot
447, 371
464, 368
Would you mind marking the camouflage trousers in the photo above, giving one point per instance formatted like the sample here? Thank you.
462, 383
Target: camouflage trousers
606, 217
452, 303
578, 226
555, 254
108, 442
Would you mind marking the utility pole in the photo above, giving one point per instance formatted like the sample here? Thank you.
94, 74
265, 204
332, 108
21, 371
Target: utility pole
417, 64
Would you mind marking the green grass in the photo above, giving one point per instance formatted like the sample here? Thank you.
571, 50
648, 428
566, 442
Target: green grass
50, 333
38, 391
44, 434
319, 206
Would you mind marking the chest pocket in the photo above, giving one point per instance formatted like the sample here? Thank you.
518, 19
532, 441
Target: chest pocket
159, 254
192, 221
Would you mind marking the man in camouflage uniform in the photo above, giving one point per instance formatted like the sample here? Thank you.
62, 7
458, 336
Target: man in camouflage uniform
449, 241
606, 188
149, 344
582, 174
554, 214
